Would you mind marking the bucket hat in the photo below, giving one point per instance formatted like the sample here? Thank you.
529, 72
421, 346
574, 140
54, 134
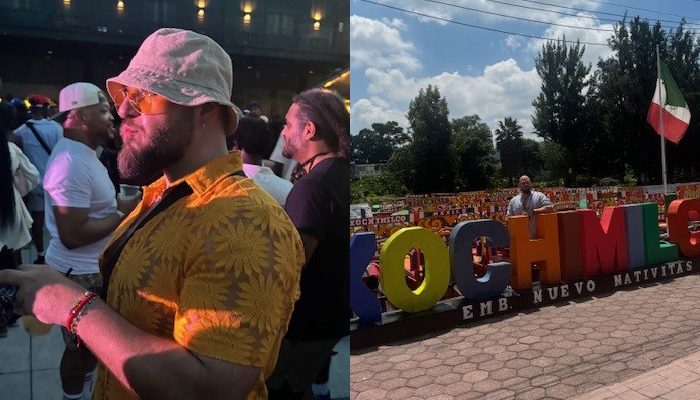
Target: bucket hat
185, 67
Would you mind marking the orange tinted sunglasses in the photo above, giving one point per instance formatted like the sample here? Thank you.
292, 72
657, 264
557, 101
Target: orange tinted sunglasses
143, 101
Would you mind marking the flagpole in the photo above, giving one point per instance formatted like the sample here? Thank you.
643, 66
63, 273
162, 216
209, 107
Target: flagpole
662, 131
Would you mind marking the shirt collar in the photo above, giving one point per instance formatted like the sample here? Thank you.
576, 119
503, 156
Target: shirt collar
201, 179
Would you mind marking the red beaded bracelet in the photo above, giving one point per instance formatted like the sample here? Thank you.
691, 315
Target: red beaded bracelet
77, 310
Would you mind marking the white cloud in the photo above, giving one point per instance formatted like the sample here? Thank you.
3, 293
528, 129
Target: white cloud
395, 23
390, 67
592, 52
503, 90
379, 44
365, 112
513, 42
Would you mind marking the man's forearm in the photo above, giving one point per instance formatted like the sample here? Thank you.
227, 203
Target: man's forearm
93, 230
147, 365
548, 208
153, 367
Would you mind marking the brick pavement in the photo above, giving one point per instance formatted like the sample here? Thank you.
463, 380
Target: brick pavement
556, 352
679, 380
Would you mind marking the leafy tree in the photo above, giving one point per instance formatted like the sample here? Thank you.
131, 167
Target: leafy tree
474, 145
434, 156
376, 145
560, 108
509, 143
530, 159
554, 167
402, 165
684, 62
385, 184
625, 86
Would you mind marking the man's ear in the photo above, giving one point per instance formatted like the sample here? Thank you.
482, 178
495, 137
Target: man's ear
309, 130
81, 116
209, 112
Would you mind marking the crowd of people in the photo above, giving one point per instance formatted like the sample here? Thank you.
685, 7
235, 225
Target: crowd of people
220, 278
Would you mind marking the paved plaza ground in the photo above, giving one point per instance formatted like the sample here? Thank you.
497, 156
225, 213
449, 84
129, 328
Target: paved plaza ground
637, 343
29, 365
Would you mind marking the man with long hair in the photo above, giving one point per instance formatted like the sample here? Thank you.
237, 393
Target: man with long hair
316, 135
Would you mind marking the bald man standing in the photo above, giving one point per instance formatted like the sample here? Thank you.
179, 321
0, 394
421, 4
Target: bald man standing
529, 202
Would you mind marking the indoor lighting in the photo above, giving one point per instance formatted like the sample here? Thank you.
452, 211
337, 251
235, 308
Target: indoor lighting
317, 25
200, 15
201, 4
120, 6
246, 19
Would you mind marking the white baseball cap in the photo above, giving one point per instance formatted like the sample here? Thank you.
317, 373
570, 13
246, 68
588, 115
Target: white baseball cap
78, 95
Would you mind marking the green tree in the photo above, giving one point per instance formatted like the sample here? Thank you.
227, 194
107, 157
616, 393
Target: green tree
684, 61
434, 156
624, 87
560, 108
473, 142
402, 165
509, 143
386, 184
376, 145
530, 159
554, 167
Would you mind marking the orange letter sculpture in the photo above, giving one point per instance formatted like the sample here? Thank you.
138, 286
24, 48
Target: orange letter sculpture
605, 242
679, 212
544, 250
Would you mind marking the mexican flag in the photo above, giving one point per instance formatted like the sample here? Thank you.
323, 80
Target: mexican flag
673, 108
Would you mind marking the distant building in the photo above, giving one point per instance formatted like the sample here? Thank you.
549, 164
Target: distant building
365, 170
278, 47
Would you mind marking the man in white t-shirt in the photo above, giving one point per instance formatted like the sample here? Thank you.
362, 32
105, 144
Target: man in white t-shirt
82, 211
251, 139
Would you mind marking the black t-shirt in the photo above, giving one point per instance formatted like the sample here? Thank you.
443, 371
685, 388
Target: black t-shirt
319, 206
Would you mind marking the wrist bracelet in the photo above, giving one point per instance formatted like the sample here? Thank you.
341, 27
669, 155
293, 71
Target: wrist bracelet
77, 311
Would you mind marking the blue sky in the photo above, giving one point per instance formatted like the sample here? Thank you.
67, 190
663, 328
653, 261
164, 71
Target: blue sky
393, 54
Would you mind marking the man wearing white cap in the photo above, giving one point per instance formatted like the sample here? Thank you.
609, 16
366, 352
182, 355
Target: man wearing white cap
202, 276
81, 211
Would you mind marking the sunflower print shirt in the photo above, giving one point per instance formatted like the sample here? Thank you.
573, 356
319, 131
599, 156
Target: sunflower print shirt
217, 272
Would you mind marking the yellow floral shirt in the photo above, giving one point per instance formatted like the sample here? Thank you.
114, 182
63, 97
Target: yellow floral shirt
218, 272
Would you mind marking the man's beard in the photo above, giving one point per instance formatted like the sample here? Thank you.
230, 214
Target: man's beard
141, 166
289, 149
